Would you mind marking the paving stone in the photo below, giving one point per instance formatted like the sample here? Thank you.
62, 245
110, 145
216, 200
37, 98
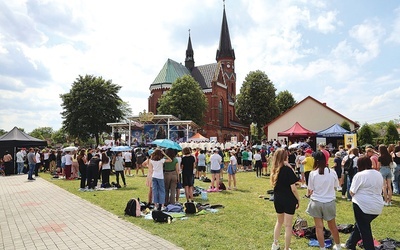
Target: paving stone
36, 218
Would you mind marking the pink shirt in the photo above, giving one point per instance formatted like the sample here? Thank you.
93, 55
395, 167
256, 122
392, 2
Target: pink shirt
374, 159
327, 155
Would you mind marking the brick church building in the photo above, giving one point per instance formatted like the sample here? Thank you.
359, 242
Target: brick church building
218, 82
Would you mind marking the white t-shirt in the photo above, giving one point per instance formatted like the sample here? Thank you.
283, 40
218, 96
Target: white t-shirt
106, 165
158, 169
367, 189
323, 186
233, 160
257, 157
250, 156
20, 157
215, 161
68, 159
37, 155
128, 157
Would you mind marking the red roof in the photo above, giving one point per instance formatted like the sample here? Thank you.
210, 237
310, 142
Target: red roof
297, 130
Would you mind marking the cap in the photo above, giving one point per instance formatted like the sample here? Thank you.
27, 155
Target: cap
309, 151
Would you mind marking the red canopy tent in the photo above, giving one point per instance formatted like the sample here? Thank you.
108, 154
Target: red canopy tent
297, 131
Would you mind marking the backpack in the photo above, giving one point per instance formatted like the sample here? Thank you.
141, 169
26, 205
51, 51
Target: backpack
348, 165
310, 233
222, 186
160, 216
345, 228
206, 179
133, 207
190, 208
299, 227
174, 208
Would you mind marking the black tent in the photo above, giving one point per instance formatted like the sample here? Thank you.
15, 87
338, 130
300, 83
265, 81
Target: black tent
16, 139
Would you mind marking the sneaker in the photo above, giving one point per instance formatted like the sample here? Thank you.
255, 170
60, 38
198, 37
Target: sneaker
275, 247
385, 203
343, 197
335, 247
338, 189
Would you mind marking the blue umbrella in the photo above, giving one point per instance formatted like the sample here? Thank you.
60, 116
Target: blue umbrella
166, 143
121, 148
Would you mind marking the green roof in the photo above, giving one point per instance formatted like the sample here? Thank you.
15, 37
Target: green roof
170, 72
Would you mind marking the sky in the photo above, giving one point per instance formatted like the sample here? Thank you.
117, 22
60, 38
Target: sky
343, 53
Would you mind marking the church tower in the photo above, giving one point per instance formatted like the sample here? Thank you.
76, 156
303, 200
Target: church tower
224, 88
189, 60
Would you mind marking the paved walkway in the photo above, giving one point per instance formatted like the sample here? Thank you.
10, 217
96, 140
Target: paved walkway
37, 215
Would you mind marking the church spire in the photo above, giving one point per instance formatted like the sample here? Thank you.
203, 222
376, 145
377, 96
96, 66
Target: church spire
189, 60
225, 47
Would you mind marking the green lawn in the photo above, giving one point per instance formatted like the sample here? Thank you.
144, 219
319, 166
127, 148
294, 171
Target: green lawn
246, 222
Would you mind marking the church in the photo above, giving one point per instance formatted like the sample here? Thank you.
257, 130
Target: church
218, 82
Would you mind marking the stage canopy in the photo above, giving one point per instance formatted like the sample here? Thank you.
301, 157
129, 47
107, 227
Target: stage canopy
333, 131
297, 131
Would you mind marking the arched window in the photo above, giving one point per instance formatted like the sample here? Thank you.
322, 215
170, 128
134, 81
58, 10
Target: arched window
221, 113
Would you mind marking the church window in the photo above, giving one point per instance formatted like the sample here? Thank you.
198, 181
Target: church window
221, 113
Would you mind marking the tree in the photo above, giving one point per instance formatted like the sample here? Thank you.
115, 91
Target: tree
256, 101
2, 132
43, 133
90, 104
285, 101
346, 125
391, 136
365, 135
60, 136
185, 100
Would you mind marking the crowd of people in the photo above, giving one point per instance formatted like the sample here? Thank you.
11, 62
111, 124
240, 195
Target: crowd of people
364, 177
369, 183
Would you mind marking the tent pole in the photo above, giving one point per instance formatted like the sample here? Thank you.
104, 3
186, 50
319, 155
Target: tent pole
14, 160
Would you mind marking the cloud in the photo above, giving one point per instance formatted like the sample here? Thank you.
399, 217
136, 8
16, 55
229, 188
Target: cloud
369, 35
307, 47
16, 26
395, 34
326, 22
